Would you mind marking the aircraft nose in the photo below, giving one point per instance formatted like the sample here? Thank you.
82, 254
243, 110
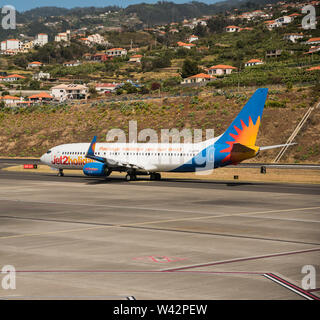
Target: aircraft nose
43, 158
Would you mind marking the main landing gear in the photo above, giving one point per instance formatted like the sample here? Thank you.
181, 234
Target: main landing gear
132, 176
60, 174
155, 176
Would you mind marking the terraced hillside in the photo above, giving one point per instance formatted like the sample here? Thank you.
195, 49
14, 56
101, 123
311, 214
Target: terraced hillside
30, 132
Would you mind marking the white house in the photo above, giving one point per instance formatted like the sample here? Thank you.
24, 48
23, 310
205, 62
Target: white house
221, 69
41, 75
41, 39
11, 44
12, 78
106, 87
284, 20
35, 64
232, 29
96, 39
186, 45
253, 62
10, 101
72, 63
271, 24
116, 52
64, 92
63, 36
136, 58
293, 37
313, 41
192, 38
198, 78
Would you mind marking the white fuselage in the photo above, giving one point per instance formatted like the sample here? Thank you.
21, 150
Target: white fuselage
152, 157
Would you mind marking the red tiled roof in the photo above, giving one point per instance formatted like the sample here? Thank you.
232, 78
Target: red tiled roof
15, 76
314, 68
7, 97
254, 60
41, 95
202, 75
222, 66
313, 39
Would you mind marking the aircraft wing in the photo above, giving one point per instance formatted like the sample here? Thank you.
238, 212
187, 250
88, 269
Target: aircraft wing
111, 163
276, 146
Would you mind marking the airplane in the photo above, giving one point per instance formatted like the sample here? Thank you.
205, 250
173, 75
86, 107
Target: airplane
236, 144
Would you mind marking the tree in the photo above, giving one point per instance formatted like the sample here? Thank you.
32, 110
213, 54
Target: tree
189, 68
200, 30
161, 62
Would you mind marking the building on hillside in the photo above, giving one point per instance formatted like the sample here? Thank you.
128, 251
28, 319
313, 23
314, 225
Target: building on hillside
201, 22
293, 37
41, 76
107, 87
85, 41
10, 101
188, 25
136, 58
271, 24
294, 15
232, 29
63, 36
313, 41
253, 62
198, 79
64, 92
274, 53
12, 78
186, 45
192, 38
313, 49
27, 46
11, 44
40, 97
246, 29
41, 39
101, 57
284, 20
116, 52
35, 64
96, 39
317, 68
221, 69
72, 63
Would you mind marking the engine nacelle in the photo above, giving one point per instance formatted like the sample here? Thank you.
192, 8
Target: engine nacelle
95, 169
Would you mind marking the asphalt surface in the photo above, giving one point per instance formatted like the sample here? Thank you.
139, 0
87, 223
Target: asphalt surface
77, 237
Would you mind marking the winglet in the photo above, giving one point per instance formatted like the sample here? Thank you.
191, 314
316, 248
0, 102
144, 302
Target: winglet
90, 153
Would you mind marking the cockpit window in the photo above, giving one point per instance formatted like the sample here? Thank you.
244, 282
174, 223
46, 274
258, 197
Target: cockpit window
49, 151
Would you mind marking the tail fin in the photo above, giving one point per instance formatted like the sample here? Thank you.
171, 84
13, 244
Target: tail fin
91, 151
244, 128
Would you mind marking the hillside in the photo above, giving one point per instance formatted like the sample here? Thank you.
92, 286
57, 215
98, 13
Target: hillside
30, 132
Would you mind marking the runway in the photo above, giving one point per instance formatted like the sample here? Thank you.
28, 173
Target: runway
77, 237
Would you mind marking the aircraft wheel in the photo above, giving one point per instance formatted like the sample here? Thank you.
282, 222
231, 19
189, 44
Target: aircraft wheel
131, 177
60, 174
157, 176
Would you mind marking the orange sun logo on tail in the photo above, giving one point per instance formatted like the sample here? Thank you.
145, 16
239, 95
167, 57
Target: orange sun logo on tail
246, 136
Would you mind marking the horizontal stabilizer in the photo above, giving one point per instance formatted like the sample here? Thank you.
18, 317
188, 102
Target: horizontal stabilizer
241, 148
277, 146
